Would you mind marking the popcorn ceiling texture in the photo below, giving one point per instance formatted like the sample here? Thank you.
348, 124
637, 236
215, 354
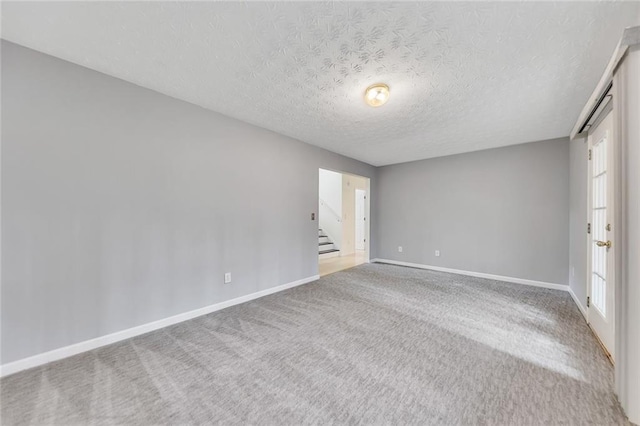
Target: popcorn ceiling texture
463, 76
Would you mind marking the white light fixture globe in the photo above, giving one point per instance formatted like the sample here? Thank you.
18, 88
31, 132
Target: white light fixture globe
376, 94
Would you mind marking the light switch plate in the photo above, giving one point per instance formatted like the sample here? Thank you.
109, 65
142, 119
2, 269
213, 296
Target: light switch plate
227, 277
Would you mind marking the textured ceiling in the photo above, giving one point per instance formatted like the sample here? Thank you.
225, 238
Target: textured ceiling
463, 76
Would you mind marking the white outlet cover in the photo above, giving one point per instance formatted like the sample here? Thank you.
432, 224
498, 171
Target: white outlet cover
400, 249
227, 277
437, 252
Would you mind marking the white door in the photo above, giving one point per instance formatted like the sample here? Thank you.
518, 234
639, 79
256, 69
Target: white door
360, 219
601, 245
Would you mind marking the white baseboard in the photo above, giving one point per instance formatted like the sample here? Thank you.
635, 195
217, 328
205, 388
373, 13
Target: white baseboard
583, 310
543, 284
87, 345
534, 283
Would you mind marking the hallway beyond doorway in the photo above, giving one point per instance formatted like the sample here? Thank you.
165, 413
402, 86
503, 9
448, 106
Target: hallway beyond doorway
343, 225
335, 264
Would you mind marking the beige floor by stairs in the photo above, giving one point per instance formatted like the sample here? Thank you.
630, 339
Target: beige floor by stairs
334, 264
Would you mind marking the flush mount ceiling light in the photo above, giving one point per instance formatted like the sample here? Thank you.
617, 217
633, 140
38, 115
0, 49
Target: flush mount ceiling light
377, 94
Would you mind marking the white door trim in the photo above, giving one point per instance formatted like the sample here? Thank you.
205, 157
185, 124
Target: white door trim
604, 324
360, 239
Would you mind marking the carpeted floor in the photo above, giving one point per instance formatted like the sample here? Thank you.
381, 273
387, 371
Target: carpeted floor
376, 344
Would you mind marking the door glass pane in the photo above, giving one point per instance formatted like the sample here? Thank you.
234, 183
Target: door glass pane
598, 232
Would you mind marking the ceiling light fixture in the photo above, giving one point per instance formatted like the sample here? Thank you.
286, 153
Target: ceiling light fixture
377, 94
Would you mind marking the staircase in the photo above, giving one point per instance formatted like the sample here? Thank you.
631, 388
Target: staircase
325, 247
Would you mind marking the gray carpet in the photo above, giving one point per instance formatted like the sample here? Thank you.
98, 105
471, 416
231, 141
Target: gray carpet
376, 344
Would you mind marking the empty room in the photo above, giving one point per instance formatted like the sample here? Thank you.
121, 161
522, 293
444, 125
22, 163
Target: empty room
295, 213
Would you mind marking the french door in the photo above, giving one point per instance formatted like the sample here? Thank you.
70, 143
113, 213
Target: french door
601, 288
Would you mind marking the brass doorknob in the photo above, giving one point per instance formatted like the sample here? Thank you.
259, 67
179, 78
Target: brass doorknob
603, 244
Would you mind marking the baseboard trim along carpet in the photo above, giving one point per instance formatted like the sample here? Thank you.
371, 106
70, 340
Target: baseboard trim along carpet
534, 283
88, 345
365, 345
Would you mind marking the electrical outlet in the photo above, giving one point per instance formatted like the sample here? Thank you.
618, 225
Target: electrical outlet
400, 249
437, 252
227, 277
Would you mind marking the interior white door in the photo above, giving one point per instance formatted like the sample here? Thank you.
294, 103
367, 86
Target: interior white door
360, 219
601, 245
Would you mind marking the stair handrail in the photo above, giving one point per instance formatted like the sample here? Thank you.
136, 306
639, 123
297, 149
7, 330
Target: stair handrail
336, 215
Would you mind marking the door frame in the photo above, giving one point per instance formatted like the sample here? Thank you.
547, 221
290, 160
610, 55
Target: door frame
367, 215
612, 188
364, 222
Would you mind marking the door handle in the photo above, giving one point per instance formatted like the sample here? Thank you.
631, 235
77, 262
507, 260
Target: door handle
603, 244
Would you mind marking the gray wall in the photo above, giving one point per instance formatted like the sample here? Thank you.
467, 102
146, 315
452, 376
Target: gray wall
503, 211
122, 206
578, 219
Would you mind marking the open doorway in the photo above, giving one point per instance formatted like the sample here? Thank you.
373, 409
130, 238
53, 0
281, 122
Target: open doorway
343, 211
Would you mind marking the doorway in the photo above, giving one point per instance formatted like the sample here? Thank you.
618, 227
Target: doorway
601, 249
343, 210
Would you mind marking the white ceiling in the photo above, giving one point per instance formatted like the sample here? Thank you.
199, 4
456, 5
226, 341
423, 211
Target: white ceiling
463, 76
